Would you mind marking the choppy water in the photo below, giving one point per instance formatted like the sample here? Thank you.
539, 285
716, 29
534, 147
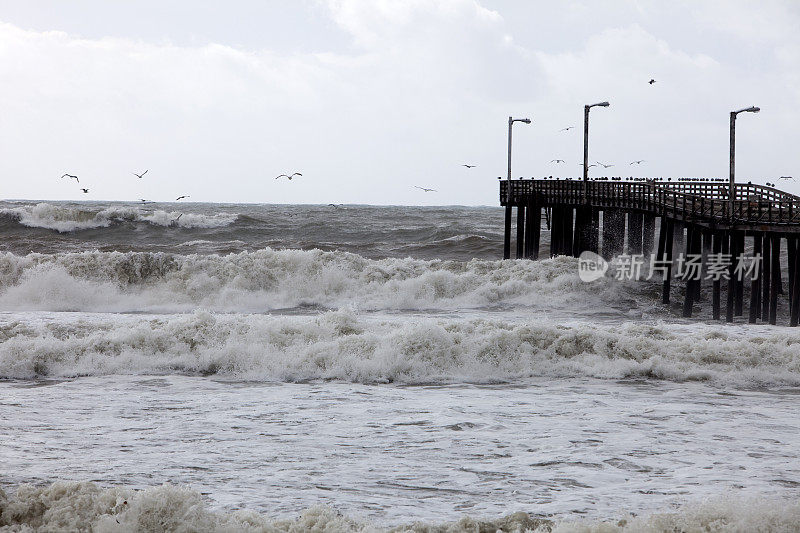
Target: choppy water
362, 367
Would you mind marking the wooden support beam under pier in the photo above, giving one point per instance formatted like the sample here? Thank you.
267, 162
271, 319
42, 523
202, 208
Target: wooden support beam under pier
648, 234
776, 278
669, 231
533, 229
766, 276
718, 237
567, 234
755, 287
507, 234
693, 246
613, 232
635, 233
731, 295
739, 295
795, 295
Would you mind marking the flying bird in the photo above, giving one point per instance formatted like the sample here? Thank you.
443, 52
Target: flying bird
71, 176
787, 178
590, 166
181, 197
652, 81
140, 176
557, 161
567, 128
424, 189
604, 165
85, 191
289, 177
468, 166
637, 162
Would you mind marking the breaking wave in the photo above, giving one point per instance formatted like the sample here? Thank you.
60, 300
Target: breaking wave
67, 219
85, 506
342, 345
278, 279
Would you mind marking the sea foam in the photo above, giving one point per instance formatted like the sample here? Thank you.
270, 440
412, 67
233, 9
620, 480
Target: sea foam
344, 345
85, 506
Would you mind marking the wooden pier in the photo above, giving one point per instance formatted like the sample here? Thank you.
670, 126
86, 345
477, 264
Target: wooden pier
696, 217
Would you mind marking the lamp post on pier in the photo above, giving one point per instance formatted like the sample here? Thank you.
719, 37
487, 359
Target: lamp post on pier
507, 239
511, 122
732, 185
586, 109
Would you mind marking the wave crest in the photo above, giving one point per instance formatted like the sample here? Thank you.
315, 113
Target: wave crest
67, 219
278, 279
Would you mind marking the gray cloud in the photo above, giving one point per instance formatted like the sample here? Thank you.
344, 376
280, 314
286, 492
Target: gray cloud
390, 94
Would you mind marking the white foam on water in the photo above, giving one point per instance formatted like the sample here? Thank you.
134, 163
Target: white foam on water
67, 219
344, 345
84, 506
276, 279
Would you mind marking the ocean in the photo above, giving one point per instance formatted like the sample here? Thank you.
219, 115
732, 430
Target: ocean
239, 367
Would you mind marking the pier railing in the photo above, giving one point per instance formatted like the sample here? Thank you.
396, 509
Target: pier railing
688, 201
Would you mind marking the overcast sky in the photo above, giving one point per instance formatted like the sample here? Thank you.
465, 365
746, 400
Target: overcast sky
368, 98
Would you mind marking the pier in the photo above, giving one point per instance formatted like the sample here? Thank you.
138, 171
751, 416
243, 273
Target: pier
660, 219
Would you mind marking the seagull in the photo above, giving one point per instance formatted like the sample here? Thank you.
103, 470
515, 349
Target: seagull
787, 178
590, 166
637, 162
175, 220
140, 176
180, 197
335, 206
85, 191
145, 201
604, 165
71, 176
652, 81
424, 189
289, 177
557, 161
468, 166
567, 128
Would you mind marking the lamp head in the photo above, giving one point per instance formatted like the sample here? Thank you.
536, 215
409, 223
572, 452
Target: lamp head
751, 109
